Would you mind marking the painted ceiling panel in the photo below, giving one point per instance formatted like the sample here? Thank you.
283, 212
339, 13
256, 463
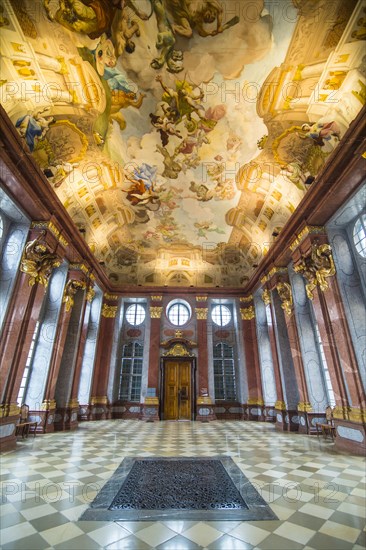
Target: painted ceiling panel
181, 135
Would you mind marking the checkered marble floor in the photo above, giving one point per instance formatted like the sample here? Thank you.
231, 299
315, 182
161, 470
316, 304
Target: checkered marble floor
317, 493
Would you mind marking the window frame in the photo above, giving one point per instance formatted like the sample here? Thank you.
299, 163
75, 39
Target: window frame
135, 314
179, 304
126, 387
223, 388
221, 307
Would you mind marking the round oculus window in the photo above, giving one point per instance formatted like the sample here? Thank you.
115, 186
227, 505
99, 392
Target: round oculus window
221, 315
135, 314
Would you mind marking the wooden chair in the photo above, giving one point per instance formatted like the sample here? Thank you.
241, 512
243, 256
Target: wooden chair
24, 425
327, 428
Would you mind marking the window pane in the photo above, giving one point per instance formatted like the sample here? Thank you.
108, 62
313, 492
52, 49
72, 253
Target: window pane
135, 314
178, 314
359, 236
221, 315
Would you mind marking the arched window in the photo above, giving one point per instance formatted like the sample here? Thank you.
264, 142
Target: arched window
131, 372
135, 314
221, 315
178, 312
359, 235
224, 372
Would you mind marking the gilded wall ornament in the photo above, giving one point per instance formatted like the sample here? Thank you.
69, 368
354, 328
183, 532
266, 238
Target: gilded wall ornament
71, 288
155, 312
109, 311
285, 294
247, 313
201, 313
266, 297
38, 262
316, 268
90, 294
156, 298
178, 350
246, 299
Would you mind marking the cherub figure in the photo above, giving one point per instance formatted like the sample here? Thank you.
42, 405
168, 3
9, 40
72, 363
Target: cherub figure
198, 15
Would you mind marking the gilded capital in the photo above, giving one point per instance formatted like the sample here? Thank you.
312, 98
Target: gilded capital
247, 313
109, 311
201, 298
201, 313
156, 298
280, 406
246, 299
155, 312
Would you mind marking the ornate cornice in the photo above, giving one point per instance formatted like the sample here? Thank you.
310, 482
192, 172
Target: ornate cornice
277, 271
307, 230
50, 226
79, 267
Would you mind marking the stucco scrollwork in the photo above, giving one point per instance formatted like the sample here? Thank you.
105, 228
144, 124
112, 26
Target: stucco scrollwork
316, 268
285, 294
38, 262
155, 312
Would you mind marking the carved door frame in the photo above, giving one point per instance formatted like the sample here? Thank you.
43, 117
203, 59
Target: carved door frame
178, 359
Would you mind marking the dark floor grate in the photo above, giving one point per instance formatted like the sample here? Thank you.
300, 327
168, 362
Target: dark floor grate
180, 485
200, 489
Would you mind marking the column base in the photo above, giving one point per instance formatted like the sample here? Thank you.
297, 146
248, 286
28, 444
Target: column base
66, 419
254, 410
45, 420
99, 408
269, 413
150, 410
205, 411
8, 438
350, 436
287, 420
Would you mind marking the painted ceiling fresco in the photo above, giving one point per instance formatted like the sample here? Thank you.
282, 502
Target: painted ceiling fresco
181, 135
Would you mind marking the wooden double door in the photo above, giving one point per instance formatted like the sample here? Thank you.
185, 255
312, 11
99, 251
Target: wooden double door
178, 389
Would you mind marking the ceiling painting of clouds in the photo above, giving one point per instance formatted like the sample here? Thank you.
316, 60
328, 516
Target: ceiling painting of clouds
181, 135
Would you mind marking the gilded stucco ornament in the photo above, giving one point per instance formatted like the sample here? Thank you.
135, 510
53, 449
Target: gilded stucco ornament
71, 288
38, 262
155, 312
90, 294
201, 313
285, 294
247, 313
109, 312
266, 297
316, 268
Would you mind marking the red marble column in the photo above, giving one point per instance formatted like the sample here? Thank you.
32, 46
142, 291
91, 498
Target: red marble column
205, 411
313, 259
150, 407
38, 259
279, 282
280, 404
76, 281
255, 403
73, 402
99, 400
